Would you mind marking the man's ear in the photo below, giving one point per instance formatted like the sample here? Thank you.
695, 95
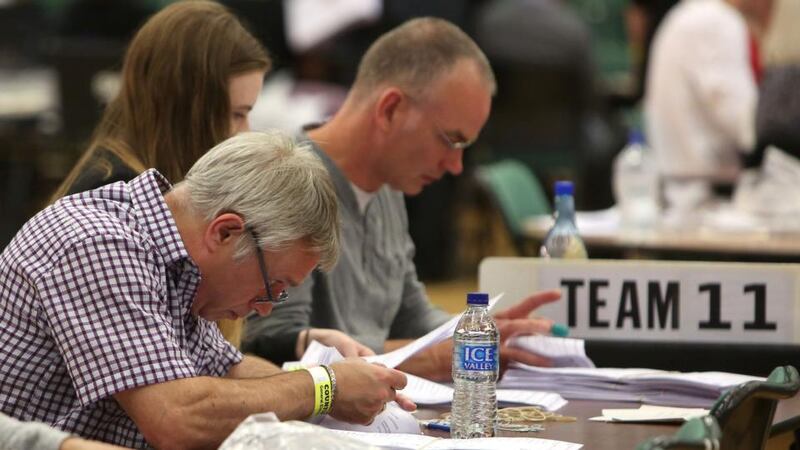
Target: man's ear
389, 103
223, 231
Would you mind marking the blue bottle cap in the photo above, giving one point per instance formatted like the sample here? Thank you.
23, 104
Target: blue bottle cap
477, 298
635, 137
564, 188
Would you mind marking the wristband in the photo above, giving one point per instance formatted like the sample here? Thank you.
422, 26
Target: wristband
323, 392
332, 376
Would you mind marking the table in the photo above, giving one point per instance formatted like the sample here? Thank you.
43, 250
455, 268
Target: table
617, 436
754, 245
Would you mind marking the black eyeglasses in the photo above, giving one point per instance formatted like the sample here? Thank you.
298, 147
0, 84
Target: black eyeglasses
283, 295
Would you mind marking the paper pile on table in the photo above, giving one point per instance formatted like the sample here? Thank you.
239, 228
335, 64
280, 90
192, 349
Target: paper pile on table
650, 386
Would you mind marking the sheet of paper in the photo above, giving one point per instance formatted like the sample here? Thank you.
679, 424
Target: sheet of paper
547, 400
317, 354
650, 413
406, 442
392, 420
563, 352
426, 392
444, 331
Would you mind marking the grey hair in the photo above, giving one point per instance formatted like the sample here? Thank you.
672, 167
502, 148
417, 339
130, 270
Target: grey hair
280, 188
417, 52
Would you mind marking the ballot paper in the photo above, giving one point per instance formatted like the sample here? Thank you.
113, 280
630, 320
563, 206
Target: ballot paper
410, 442
650, 386
426, 392
650, 413
562, 352
393, 419
441, 333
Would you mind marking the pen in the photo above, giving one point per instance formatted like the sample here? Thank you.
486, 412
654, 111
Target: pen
437, 426
559, 330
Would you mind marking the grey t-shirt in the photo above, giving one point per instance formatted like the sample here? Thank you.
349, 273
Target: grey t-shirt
372, 294
18, 435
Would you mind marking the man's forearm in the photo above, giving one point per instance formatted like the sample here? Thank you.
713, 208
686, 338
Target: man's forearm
432, 363
201, 412
252, 366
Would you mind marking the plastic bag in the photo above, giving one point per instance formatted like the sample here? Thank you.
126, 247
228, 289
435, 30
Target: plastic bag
265, 431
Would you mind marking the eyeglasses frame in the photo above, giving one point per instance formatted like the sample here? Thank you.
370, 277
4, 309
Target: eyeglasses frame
262, 264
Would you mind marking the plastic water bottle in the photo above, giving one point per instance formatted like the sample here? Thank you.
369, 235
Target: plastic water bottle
563, 240
636, 185
476, 362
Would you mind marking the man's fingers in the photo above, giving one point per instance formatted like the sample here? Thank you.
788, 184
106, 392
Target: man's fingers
524, 357
519, 327
397, 379
524, 307
405, 403
363, 350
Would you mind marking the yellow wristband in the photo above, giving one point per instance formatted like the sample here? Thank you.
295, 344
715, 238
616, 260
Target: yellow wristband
323, 390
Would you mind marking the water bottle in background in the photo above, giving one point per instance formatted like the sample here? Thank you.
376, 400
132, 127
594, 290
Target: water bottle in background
563, 240
636, 184
476, 363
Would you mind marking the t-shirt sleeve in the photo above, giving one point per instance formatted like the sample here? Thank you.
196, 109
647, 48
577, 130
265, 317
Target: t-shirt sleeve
20, 435
106, 306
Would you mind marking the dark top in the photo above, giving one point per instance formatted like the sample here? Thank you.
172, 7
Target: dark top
96, 175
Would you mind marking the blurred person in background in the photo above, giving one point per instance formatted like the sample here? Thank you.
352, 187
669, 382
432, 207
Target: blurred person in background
701, 96
190, 77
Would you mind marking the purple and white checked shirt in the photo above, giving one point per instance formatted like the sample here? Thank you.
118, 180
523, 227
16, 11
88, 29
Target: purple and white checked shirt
95, 297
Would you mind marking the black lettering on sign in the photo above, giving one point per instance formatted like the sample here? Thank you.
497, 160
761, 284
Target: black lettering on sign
595, 303
714, 312
664, 304
760, 314
572, 299
629, 305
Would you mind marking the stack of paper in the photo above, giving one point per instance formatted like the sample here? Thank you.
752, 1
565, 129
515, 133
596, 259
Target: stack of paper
426, 392
411, 442
562, 352
693, 389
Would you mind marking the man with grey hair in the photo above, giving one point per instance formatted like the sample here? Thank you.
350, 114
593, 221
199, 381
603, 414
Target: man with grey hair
108, 298
421, 96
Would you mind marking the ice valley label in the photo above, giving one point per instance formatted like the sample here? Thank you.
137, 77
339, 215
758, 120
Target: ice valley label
477, 356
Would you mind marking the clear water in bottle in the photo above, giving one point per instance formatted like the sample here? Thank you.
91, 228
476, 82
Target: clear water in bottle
476, 363
563, 240
636, 185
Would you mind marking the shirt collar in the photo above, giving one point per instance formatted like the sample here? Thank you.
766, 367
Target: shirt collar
147, 194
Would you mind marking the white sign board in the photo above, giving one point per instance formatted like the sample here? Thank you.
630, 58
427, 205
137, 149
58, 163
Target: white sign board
658, 300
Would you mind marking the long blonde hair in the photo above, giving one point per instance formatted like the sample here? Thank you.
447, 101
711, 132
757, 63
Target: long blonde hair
173, 104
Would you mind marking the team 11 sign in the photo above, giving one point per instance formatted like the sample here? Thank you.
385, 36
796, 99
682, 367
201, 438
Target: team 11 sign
674, 301
658, 300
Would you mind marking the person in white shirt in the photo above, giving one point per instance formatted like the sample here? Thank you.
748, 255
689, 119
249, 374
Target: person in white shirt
701, 95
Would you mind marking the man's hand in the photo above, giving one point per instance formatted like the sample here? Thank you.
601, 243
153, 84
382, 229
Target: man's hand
515, 321
362, 390
435, 362
346, 345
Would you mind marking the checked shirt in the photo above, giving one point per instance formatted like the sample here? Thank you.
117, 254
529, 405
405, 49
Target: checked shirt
95, 298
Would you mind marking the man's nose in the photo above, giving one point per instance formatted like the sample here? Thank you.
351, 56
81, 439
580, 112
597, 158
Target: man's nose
262, 309
453, 161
